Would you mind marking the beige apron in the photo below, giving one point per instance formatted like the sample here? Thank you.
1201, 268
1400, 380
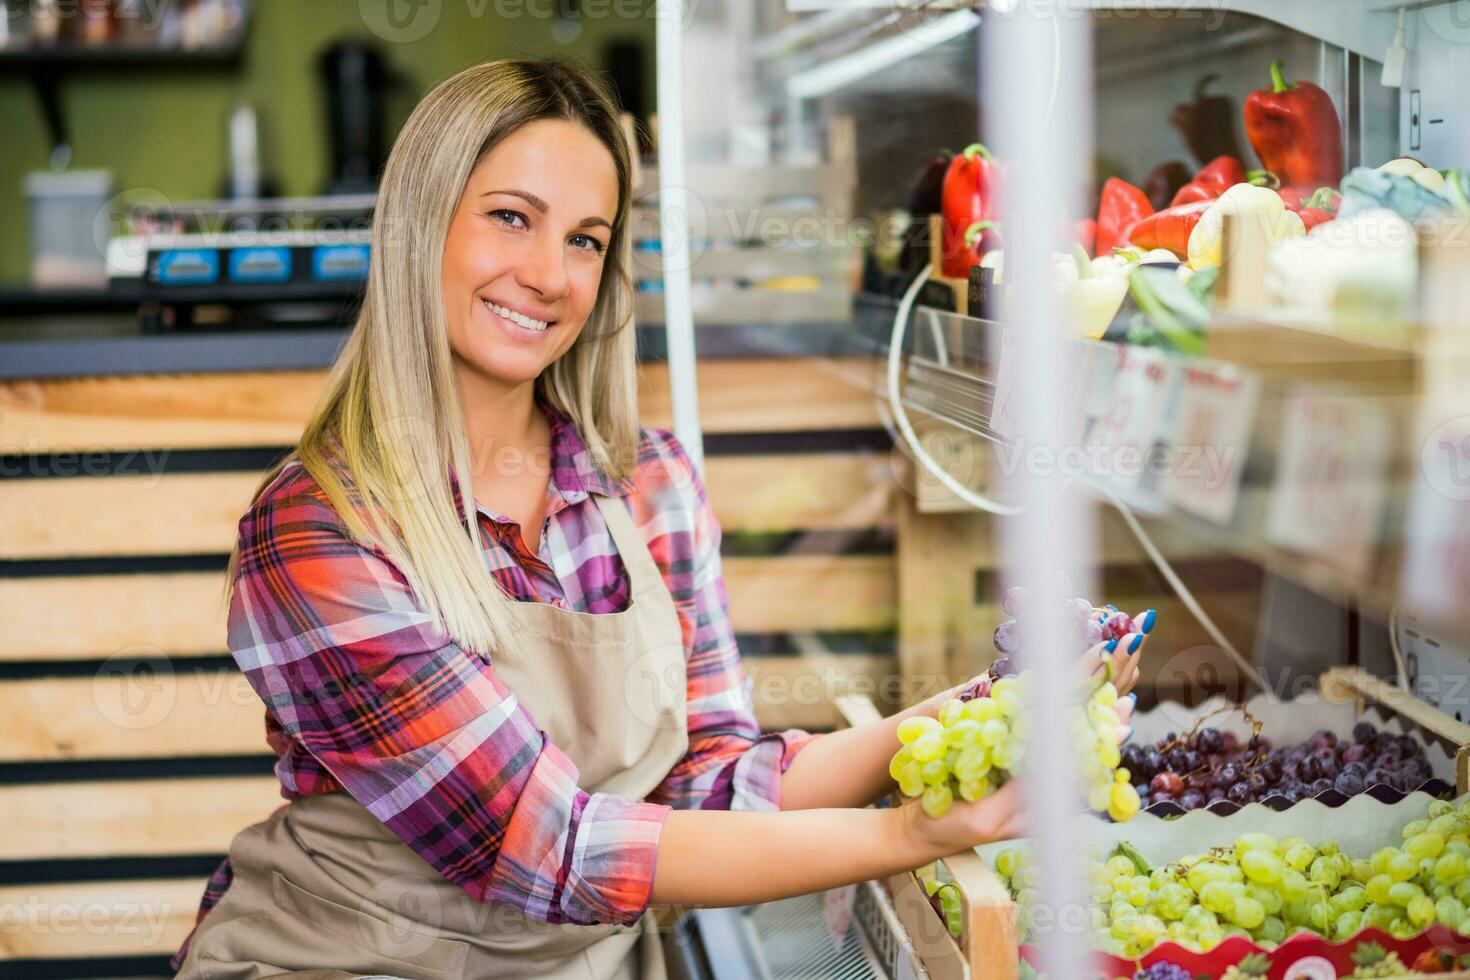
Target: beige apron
324, 886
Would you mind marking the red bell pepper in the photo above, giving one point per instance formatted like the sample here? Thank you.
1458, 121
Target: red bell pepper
1170, 228
1296, 132
1315, 209
1085, 234
968, 196
980, 238
1122, 206
1214, 179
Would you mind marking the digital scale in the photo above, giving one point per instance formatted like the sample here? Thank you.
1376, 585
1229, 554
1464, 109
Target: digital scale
288, 250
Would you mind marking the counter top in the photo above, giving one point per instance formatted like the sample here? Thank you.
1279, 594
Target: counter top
116, 346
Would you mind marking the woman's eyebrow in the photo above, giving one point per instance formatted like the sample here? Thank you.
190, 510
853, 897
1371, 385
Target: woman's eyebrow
543, 207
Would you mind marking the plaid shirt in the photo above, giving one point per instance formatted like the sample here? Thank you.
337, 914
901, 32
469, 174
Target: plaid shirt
314, 612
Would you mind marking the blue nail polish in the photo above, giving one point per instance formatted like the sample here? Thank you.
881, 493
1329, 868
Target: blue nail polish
1111, 606
1137, 642
1131, 696
1110, 646
1146, 621
1129, 734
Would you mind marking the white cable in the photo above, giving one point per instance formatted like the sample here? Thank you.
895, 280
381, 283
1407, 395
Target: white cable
1185, 596
901, 417
1393, 645
915, 447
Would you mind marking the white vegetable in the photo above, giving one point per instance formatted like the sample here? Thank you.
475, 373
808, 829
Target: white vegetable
1425, 177
1356, 268
1261, 207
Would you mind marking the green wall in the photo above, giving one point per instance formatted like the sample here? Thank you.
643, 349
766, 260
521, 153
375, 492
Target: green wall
165, 129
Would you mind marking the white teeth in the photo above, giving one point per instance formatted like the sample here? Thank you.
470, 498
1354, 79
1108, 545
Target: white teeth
517, 318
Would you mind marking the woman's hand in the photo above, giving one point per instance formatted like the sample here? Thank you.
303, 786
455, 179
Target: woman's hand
997, 817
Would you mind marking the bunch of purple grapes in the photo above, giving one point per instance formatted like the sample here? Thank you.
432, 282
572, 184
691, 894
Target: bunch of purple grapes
1209, 765
1163, 971
1088, 626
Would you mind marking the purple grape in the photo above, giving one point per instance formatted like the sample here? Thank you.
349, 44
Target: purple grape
1163, 971
1348, 783
1364, 732
1239, 793
1321, 786
1092, 633
1080, 609
1294, 791
1013, 600
1118, 625
1007, 638
1378, 777
1001, 667
1229, 774
1210, 741
1354, 752
1191, 799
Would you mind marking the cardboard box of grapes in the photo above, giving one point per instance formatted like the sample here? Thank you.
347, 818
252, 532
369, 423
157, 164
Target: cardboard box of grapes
1329, 743
1403, 857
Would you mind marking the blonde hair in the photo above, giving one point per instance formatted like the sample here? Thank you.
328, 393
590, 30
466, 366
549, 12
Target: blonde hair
391, 408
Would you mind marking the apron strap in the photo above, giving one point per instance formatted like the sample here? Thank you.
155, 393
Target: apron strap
643, 573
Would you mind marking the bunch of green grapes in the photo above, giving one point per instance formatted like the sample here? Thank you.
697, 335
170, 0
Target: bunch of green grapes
1266, 888
975, 746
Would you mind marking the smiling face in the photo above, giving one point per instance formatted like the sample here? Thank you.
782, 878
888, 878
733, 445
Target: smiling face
526, 249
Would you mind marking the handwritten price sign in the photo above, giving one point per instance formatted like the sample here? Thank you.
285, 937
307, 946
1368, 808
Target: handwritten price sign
1437, 566
1006, 417
1211, 439
1330, 486
1121, 442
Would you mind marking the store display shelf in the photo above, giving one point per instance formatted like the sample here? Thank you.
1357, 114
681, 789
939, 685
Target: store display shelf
1365, 27
1300, 454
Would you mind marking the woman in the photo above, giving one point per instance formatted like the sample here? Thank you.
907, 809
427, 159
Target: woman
496, 774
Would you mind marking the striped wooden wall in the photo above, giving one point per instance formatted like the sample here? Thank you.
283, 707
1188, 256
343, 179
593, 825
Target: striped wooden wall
132, 750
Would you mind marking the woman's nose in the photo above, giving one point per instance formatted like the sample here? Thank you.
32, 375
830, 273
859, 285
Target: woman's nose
543, 268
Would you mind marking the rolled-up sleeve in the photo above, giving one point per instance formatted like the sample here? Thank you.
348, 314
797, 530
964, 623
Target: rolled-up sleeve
730, 764
422, 732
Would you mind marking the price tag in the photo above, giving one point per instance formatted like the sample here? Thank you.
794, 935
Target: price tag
1329, 493
1006, 417
1437, 565
1211, 440
1120, 445
837, 912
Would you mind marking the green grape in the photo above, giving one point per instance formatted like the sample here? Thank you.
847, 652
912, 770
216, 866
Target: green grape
900, 759
1324, 871
937, 800
1218, 897
1415, 827
1294, 885
1426, 845
1443, 826
981, 710
1379, 861
1207, 871
1248, 842
1299, 856
935, 771
1008, 756
1269, 898
962, 733
1172, 901
973, 790
1006, 862
1247, 912
1441, 808
1118, 866
1402, 928
1404, 892
1380, 916
1271, 931
910, 729
950, 712
1351, 899
1449, 912
1346, 925
1378, 888
1402, 866
1421, 910
929, 746
1462, 890
1360, 871
1123, 802
1261, 865
911, 780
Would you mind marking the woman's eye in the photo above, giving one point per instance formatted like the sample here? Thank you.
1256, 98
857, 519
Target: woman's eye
510, 218
587, 242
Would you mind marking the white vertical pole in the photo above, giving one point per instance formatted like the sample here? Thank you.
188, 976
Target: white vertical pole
1038, 112
673, 218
